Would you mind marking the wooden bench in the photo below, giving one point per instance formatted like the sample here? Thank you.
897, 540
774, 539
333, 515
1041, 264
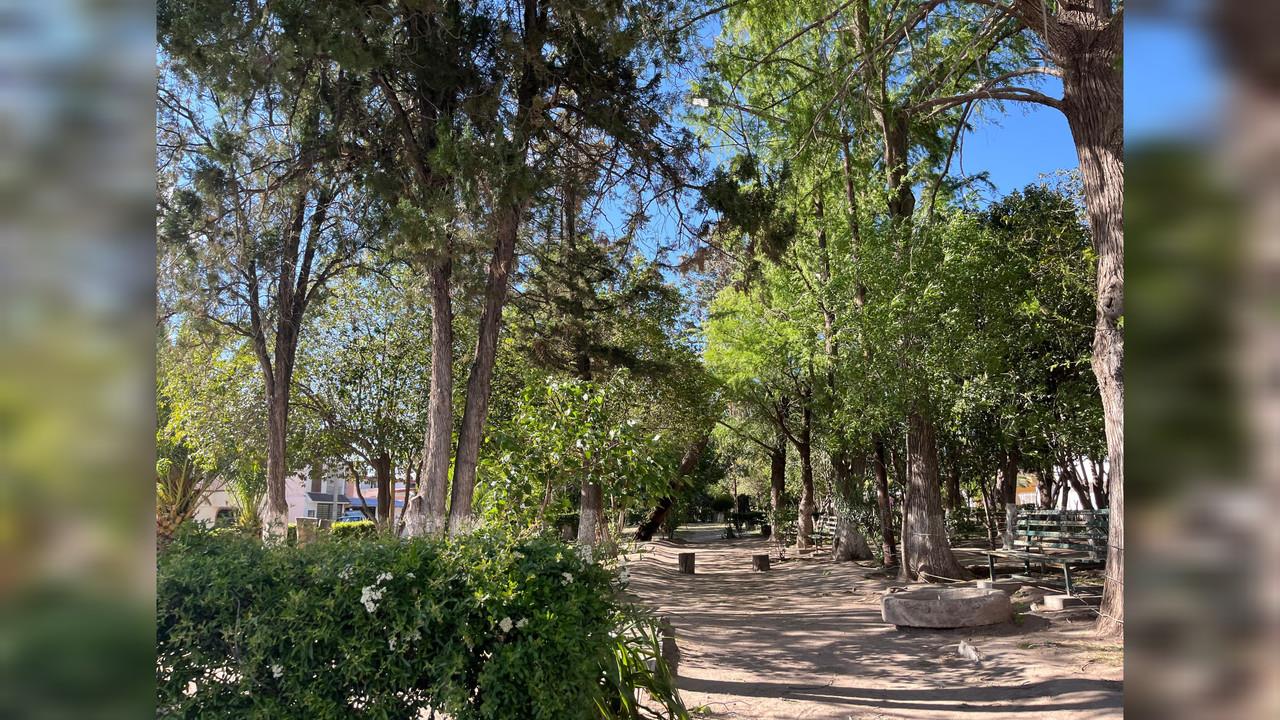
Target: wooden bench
1057, 538
824, 528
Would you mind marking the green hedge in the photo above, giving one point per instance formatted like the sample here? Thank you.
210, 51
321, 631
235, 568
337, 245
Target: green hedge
359, 528
479, 627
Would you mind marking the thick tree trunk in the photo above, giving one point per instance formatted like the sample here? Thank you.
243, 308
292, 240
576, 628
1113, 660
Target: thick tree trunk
954, 500
590, 516
1009, 493
804, 521
382, 473
689, 462
926, 552
1093, 101
888, 546
426, 512
849, 542
480, 382
275, 520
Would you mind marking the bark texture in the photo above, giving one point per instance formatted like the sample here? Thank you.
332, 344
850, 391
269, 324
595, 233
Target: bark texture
426, 512
926, 552
889, 548
1087, 46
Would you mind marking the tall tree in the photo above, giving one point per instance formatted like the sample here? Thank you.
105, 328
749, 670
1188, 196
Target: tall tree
259, 209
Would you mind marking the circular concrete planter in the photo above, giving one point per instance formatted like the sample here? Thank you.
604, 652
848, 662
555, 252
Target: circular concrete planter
946, 607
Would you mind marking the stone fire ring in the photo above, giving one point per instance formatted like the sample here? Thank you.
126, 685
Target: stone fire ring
946, 607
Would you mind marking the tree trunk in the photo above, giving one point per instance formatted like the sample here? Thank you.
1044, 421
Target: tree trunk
426, 512
382, 473
480, 382
276, 517
1098, 483
849, 543
804, 520
1093, 102
778, 485
688, 463
954, 500
926, 552
590, 516
515, 201
988, 512
1077, 486
888, 546
1048, 487
1009, 493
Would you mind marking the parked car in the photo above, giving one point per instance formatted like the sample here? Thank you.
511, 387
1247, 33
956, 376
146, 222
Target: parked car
352, 516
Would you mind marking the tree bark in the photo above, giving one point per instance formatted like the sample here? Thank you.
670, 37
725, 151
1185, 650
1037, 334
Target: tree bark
926, 551
382, 473
516, 198
590, 516
954, 501
426, 512
1009, 493
778, 484
849, 543
1087, 44
480, 382
888, 545
804, 446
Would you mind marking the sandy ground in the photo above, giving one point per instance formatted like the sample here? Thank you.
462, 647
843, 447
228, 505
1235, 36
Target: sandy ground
806, 640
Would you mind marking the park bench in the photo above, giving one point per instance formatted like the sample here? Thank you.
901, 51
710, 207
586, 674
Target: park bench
1065, 539
824, 528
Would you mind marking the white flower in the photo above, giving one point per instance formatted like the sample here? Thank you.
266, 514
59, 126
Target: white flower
370, 596
277, 670
522, 622
505, 624
568, 577
391, 642
383, 577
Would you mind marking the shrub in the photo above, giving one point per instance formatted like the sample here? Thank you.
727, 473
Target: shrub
722, 503
477, 627
359, 528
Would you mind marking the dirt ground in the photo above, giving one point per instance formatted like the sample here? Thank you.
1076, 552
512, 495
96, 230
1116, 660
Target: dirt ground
806, 640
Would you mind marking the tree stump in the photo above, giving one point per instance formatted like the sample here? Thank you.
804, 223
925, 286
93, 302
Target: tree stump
760, 563
686, 563
306, 530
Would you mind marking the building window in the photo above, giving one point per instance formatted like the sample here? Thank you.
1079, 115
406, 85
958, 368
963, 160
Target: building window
311, 513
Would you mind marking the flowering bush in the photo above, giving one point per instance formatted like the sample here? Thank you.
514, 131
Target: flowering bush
478, 627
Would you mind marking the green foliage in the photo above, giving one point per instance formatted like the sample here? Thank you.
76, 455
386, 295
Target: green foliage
567, 432
479, 627
722, 503
356, 529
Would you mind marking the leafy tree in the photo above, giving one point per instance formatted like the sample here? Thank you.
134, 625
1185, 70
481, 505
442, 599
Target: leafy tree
258, 209
361, 377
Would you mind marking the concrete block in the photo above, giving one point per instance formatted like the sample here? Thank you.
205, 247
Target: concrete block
946, 607
1062, 602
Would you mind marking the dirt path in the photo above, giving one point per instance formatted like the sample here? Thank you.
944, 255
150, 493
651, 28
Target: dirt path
806, 641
